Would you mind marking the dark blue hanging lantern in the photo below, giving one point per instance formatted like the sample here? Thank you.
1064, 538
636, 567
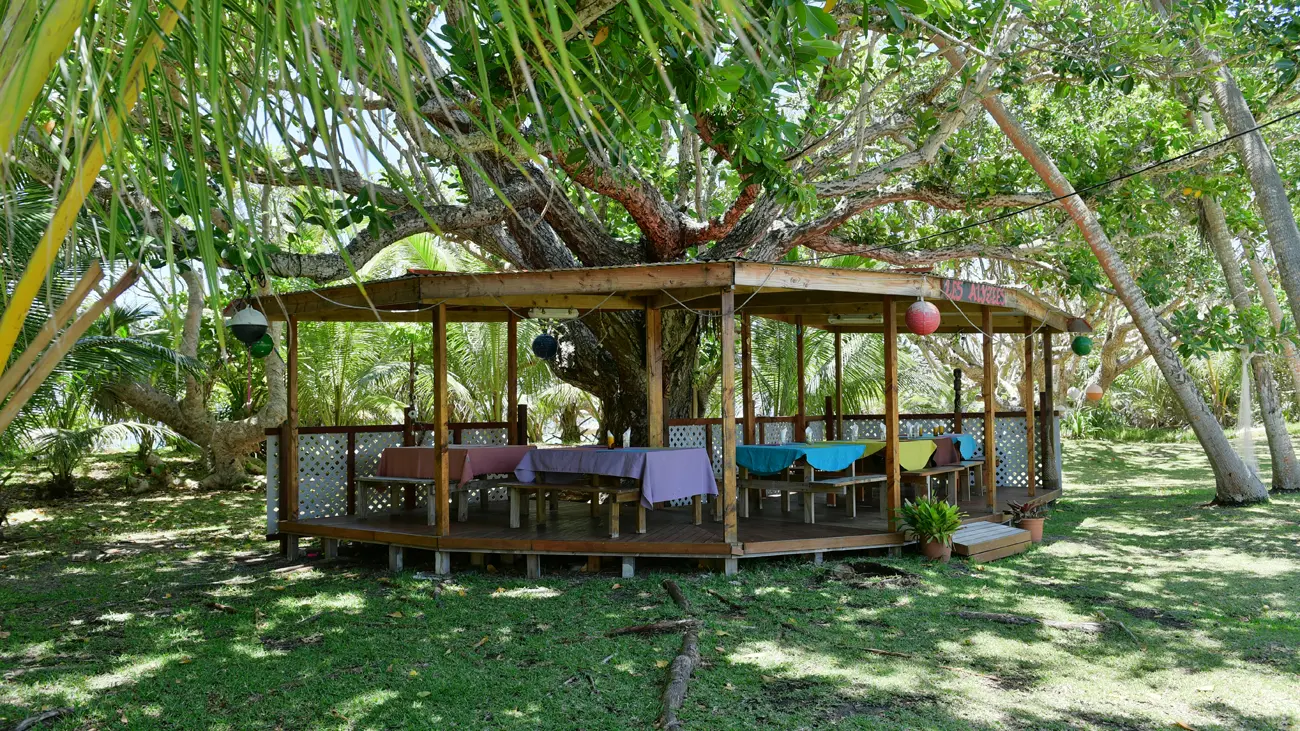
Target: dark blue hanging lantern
545, 346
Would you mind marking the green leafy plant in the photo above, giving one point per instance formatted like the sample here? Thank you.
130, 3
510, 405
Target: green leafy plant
1027, 509
931, 520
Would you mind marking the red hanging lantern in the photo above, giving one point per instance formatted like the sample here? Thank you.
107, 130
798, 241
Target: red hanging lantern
922, 318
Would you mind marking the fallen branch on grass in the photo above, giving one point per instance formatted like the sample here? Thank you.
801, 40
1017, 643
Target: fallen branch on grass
42, 717
655, 628
675, 592
679, 675
735, 606
1020, 619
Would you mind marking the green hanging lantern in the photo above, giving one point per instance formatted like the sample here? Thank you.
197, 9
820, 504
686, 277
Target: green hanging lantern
1082, 345
262, 347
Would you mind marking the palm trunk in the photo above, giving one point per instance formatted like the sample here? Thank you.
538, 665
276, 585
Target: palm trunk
1269, 298
1234, 483
1286, 472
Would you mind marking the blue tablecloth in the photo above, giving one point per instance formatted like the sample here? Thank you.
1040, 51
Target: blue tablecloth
768, 459
965, 443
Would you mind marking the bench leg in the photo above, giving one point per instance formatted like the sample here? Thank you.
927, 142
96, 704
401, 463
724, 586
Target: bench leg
462, 506
697, 509
533, 568
785, 502
430, 504
640, 518
851, 501
541, 506
884, 504
613, 516
742, 502
555, 501
441, 563
595, 505
483, 496
717, 508
809, 500
629, 566
516, 497
363, 500
929, 494
396, 559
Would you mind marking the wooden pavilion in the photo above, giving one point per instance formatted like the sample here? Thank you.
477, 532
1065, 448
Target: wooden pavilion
319, 499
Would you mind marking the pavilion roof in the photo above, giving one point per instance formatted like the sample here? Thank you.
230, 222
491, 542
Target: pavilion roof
844, 300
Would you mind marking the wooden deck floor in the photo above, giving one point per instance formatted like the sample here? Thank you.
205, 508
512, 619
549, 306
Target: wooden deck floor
572, 531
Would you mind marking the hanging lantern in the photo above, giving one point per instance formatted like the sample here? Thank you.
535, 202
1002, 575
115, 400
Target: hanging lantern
1081, 345
248, 325
1094, 392
922, 318
262, 348
545, 346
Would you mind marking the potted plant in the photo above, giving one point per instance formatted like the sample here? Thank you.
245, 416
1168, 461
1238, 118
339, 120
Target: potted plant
1029, 515
932, 523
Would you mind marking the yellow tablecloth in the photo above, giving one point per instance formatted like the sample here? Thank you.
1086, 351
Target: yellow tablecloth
912, 455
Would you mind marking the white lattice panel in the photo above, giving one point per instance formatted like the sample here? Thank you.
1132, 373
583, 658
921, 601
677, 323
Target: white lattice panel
778, 432
485, 436
272, 484
369, 445
815, 431
322, 475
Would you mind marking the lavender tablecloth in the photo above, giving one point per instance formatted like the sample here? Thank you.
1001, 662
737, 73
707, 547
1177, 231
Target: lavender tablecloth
665, 474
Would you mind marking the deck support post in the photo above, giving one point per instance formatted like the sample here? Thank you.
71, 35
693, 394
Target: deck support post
801, 416
291, 549
441, 466
894, 551
477, 560
289, 429
629, 567
1051, 475
893, 479
819, 557
654, 377
396, 559
533, 569
442, 562
1031, 464
730, 566
512, 382
727, 328
990, 411
747, 377
593, 564
329, 548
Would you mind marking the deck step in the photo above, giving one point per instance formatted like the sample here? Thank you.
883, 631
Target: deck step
986, 541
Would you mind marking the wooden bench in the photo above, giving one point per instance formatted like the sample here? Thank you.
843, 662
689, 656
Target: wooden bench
461, 494
520, 492
924, 476
974, 475
808, 491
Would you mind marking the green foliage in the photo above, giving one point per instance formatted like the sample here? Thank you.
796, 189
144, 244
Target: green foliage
930, 519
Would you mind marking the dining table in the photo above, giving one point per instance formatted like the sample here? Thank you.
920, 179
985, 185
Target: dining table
664, 473
412, 467
770, 459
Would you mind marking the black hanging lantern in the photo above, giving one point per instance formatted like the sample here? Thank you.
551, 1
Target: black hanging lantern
248, 325
545, 346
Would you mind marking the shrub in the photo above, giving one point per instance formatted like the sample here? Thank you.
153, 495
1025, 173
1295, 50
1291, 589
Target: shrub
931, 520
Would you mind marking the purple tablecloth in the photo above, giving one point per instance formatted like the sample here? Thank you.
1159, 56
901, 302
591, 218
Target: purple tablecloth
665, 474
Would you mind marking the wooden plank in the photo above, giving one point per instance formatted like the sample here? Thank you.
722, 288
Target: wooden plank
893, 481
1031, 465
289, 431
956, 400
442, 466
747, 377
654, 370
997, 553
1051, 477
801, 385
984, 537
839, 385
802, 545
990, 418
727, 327
512, 381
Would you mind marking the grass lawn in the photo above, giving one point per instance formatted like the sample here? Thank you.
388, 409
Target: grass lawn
167, 611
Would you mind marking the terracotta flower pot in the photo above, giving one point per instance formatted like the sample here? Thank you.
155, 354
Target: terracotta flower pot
1035, 528
936, 550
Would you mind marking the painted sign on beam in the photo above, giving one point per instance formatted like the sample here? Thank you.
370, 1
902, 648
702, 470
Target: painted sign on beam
974, 292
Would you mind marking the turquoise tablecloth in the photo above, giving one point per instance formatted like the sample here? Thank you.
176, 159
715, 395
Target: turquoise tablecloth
768, 459
965, 443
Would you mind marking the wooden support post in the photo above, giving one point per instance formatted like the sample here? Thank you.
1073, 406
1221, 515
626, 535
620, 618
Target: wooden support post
396, 559
477, 560
329, 547
730, 531
730, 566
893, 484
829, 419
956, 400
839, 387
533, 567
1051, 475
819, 557
291, 551
629, 567
990, 412
513, 436
800, 417
654, 377
1031, 465
593, 564
352, 472
747, 377
441, 563
289, 430
441, 463
521, 428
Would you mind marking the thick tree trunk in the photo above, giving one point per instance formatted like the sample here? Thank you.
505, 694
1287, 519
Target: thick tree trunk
1286, 473
1234, 483
1269, 298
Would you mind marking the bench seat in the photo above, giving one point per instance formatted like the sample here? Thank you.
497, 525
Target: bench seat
616, 496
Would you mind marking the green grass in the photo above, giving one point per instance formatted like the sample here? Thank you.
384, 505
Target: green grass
108, 607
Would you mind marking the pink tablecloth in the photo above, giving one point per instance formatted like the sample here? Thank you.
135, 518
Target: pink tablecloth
665, 474
467, 461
